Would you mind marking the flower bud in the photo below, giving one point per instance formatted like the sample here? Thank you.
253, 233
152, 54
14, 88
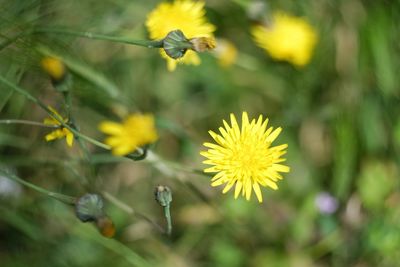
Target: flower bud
175, 44
55, 68
163, 195
89, 207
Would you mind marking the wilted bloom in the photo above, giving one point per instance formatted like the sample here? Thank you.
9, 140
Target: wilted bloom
287, 38
135, 131
184, 15
226, 53
54, 67
243, 156
105, 226
326, 203
61, 131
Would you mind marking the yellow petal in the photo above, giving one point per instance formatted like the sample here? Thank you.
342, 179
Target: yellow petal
280, 168
238, 188
274, 135
248, 190
112, 128
171, 64
122, 150
69, 137
54, 135
257, 190
228, 186
271, 184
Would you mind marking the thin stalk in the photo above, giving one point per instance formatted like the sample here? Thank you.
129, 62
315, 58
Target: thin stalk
167, 167
34, 123
125, 207
90, 35
51, 114
60, 197
167, 215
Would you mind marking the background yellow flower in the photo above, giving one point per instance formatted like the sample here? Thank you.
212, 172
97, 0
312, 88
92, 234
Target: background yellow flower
185, 15
287, 38
60, 132
135, 131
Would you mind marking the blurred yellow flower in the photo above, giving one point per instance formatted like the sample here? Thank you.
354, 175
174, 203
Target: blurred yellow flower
61, 132
226, 52
54, 67
288, 38
135, 131
185, 15
243, 157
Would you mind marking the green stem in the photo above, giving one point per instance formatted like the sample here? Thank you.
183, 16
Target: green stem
167, 215
167, 167
125, 207
51, 114
90, 35
35, 123
60, 197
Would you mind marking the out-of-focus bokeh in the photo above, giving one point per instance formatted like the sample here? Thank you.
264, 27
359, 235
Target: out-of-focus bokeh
340, 114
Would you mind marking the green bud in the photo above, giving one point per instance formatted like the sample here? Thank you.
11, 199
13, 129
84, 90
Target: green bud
175, 44
163, 195
89, 207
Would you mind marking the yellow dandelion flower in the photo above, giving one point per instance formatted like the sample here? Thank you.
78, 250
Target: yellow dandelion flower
288, 38
185, 15
243, 156
61, 132
135, 131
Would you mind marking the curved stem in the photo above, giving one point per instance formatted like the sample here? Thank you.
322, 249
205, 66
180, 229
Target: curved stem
34, 123
167, 167
90, 35
51, 114
60, 197
125, 207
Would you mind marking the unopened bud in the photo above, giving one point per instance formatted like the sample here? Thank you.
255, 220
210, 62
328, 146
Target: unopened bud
55, 68
89, 207
175, 44
163, 195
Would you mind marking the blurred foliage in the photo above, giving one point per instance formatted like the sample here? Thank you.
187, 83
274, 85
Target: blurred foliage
340, 116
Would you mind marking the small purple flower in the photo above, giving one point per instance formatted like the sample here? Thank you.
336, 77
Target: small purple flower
326, 203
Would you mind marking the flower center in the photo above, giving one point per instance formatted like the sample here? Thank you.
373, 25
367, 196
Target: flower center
249, 158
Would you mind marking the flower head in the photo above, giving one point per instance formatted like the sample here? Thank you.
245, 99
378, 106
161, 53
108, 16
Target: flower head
54, 67
61, 132
243, 156
288, 38
185, 15
135, 131
326, 203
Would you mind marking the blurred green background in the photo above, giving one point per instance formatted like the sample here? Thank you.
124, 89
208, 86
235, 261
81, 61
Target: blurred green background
340, 116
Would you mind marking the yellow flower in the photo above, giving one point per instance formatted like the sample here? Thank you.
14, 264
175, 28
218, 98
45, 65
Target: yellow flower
54, 67
61, 132
226, 53
185, 15
135, 131
287, 38
244, 157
